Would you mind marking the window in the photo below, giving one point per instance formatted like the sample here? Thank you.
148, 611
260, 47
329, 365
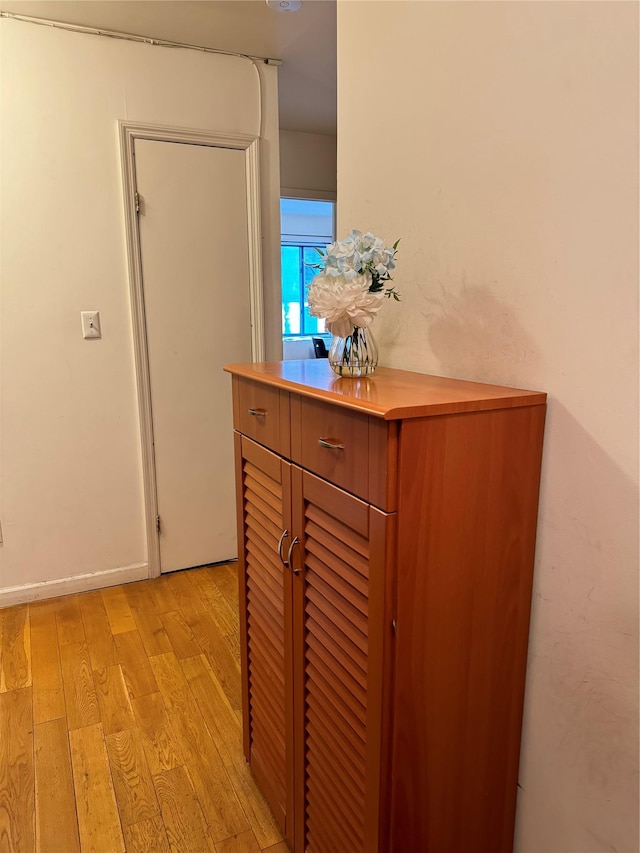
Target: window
305, 224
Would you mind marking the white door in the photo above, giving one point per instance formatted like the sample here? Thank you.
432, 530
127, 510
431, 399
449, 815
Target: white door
195, 270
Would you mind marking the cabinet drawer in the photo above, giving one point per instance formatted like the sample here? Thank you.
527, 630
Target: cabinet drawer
261, 412
332, 442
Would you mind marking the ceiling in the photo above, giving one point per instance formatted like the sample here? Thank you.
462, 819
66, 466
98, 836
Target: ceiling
305, 40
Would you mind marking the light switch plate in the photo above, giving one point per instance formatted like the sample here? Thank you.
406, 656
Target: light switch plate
90, 324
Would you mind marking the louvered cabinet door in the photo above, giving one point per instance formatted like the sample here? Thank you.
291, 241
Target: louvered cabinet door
265, 622
340, 571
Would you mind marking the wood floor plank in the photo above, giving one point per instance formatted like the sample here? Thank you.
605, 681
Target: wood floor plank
224, 814
226, 731
46, 672
97, 629
163, 598
225, 578
113, 700
69, 620
152, 633
2, 613
138, 675
132, 781
224, 615
147, 836
17, 781
136, 726
80, 698
180, 635
224, 664
98, 820
118, 612
186, 593
56, 821
280, 847
16, 649
243, 843
182, 814
159, 739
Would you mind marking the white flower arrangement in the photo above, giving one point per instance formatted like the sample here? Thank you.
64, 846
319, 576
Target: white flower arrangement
350, 289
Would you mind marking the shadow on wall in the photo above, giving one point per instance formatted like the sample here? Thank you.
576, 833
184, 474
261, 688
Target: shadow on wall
476, 336
581, 711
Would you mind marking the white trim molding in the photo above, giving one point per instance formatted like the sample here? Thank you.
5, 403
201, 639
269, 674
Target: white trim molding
128, 133
29, 592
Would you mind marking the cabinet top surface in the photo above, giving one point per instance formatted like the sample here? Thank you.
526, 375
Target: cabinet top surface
389, 394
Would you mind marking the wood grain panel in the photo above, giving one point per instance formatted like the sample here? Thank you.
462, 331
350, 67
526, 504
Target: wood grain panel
335, 730
389, 394
147, 836
244, 843
225, 729
37, 791
180, 635
46, 673
224, 664
264, 514
56, 821
270, 429
113, 700
132, 781
97, 629
118, 612
98, 819
186, 592
153, 636
69, 620
16, 649
17, 782
314, 421
206, 769
164, 601
182, 814
80, 698
461, 656
135, 665
224, 613
159, 739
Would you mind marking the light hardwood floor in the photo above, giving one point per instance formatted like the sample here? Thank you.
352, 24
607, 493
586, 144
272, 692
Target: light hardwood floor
120, 723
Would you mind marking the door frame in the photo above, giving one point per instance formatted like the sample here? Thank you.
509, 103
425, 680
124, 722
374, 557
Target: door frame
128, 133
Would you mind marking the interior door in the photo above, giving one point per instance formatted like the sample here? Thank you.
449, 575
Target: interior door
195, 269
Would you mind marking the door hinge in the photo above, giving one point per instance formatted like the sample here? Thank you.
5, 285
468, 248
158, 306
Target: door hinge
139, 200
394, 626
158, 523
1, 539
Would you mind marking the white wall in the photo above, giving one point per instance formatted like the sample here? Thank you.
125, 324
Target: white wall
307, 165
72, 501
507, 161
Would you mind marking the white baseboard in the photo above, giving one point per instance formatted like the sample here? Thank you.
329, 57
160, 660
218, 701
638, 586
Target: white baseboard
78, 583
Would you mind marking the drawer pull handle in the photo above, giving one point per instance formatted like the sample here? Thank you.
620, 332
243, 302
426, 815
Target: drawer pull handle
285, 534
258, 413
331, 443
294, 542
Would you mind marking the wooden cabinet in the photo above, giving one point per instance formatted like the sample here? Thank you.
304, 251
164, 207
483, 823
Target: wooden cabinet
386, 541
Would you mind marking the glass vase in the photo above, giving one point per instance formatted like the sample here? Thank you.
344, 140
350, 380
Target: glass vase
355, 355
